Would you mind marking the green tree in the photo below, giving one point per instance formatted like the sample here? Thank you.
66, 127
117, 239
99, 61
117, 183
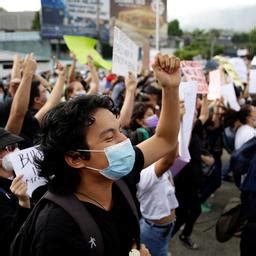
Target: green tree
252, 41
36, 25
174, 28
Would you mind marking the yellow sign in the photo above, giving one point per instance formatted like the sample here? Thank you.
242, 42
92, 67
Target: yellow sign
84, 46
230, 70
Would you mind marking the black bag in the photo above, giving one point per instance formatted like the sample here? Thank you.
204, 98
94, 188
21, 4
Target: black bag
229, 221
21, 244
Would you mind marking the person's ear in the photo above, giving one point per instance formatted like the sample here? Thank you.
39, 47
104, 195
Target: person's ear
74, 160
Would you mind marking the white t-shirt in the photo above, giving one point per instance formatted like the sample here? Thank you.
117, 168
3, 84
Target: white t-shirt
243, 134
156, 194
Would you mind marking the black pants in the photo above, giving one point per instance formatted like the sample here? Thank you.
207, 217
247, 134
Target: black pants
188, 211
248, 240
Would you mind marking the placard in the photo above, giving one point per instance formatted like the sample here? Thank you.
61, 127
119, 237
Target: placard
193, 71
23, 164
125, 54
214, 85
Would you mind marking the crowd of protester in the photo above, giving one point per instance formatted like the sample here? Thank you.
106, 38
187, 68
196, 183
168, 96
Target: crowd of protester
96, 129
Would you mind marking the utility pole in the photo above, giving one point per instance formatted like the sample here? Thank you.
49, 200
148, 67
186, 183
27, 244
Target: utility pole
157, 24
98, 24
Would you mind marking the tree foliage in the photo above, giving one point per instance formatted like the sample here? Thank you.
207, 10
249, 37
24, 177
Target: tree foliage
36, 25
174, 28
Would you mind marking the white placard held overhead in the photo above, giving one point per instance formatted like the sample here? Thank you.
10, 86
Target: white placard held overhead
188, 92
229, 95
240, 68
214, 85
125, 54
253, 63
252, 81
23, 164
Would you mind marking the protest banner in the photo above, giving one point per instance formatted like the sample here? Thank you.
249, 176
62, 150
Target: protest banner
240, 68
23, 164
214, 85
230, 70
252, 81
229, 95
125, 54
84, 46
193, 71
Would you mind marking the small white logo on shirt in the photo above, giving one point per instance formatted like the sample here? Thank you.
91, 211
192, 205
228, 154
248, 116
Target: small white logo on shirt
92, 242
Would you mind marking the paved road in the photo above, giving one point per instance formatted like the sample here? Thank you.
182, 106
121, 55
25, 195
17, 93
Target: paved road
205, 238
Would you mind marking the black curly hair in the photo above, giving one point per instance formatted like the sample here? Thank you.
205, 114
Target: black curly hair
63, 131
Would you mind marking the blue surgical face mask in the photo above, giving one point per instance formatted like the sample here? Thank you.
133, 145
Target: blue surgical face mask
121, 158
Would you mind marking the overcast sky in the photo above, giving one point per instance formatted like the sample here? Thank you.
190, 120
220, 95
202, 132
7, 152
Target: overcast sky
180, 9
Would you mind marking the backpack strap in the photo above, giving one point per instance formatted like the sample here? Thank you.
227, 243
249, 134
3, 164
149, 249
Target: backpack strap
128, 196
83, 219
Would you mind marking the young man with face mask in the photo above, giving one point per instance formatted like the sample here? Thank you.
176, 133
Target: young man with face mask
14, 201
84, 154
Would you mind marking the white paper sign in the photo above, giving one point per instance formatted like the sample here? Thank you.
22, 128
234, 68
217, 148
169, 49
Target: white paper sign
214, 85
252, 81
240, 68
125, 54
23, 164
188, 91
253, 63
229, 95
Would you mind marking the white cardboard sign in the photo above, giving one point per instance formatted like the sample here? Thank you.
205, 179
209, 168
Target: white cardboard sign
252, 81
23, 164
229, 95
125, 54
188, 91
214, 85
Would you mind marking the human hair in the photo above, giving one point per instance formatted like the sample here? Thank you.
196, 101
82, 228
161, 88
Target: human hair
139, 111
34, 92
63, 131
244, 112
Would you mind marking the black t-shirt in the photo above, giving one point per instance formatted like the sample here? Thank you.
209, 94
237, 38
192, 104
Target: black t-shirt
12, 216
57, 233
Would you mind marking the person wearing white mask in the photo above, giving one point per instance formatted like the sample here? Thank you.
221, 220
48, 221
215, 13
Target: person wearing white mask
14, 201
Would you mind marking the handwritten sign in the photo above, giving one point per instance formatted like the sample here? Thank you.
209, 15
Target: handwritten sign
125, 54
23, 164
214, 85
252, 81
229, 95
193, 71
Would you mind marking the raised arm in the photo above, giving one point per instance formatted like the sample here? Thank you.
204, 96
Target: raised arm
94, 82
21, 98
15, 74
166, 162
167, 72
71, 73
127, 108
56, 93
204, 112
